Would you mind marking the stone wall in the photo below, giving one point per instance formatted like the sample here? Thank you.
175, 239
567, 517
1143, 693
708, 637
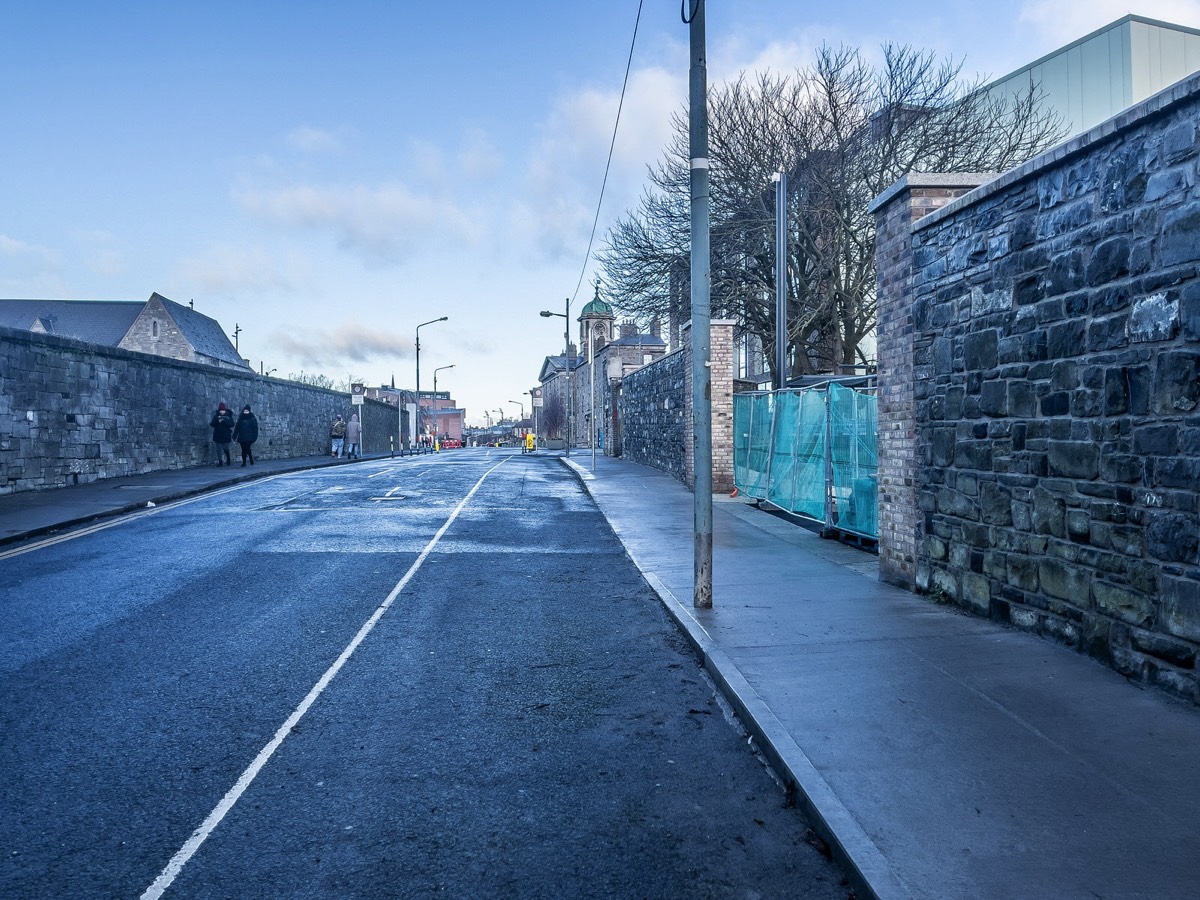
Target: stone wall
73, 412
1056, 373
655, 410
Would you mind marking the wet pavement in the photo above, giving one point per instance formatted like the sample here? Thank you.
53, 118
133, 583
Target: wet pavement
938, 754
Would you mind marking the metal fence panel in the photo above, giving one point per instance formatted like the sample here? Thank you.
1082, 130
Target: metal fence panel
811, 452
853, 421
752, 416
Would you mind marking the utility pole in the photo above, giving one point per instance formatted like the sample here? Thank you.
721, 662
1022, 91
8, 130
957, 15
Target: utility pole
781, 294
701, 314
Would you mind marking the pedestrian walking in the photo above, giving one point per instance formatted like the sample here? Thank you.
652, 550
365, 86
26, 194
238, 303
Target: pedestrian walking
222, 426
353, 437
245, 432
337, 436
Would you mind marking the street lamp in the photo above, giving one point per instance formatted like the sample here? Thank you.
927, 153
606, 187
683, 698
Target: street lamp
419, 327
436, 423
781, 366
522, 407
545, 313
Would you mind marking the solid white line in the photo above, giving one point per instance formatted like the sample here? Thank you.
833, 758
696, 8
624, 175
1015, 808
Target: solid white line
201, 834
125, 518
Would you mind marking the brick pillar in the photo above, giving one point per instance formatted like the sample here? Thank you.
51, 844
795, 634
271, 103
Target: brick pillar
721, 374
895, 210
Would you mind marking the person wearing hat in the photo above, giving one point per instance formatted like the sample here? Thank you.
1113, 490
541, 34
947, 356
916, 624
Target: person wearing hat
337, 435
222, 426
245, 432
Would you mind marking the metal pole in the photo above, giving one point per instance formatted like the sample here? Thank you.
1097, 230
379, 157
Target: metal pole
592, 404
417, 424
701, 325
781, 338
567, 360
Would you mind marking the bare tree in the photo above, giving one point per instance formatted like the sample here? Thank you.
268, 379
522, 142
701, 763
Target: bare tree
553, 416
843, 132
314, 379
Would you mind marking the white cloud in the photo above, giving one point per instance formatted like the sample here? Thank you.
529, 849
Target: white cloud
563, 177
1069, 21
232, 269
385, 224
29, 257
342, 344
307, 139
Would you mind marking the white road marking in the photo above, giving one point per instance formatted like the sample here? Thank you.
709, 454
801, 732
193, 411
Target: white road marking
128, 517
201, 834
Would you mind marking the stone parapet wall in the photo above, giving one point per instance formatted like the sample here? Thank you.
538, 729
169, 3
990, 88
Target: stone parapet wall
73, 412
1056, 392
655, 410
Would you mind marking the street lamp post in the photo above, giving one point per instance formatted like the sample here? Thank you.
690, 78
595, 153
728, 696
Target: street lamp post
520, 406
417, 424
436, 421
781, 341
566, 365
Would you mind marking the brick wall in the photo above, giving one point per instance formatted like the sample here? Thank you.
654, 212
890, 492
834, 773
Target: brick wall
910, 199
73, 412
1056, 392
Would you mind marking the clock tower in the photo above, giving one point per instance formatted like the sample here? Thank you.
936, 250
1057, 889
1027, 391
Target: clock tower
595, 324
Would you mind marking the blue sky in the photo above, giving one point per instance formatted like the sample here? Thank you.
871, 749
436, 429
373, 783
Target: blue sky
328, 175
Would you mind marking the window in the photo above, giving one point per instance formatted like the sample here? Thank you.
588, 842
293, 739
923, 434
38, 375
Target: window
154, 329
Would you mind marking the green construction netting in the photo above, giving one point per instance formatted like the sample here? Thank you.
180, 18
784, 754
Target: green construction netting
752, 442
780, 442
853, 421
797, 468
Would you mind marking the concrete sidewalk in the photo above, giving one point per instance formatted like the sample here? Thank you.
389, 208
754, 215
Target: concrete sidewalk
940, 755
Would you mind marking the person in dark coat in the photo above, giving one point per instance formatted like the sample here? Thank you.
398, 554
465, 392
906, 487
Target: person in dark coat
245, 432
222, 426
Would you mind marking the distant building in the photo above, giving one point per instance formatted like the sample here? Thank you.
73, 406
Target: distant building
1109, 70
607, 353
159, 327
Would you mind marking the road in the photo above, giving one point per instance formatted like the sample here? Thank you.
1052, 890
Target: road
433, 676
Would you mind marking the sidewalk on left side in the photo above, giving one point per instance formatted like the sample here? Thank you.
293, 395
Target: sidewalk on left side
28, 514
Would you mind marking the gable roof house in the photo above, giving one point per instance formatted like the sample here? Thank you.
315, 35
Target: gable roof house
159, 327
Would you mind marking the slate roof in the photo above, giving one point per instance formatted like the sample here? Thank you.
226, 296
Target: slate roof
96, 321
641, 340
554, 364
204, 334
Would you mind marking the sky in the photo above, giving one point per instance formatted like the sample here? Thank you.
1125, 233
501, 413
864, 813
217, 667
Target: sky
325, 177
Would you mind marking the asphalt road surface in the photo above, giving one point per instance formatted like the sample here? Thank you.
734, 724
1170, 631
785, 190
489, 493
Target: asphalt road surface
437, 676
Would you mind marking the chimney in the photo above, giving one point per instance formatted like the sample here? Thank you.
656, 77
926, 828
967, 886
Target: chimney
629, 328
656, 328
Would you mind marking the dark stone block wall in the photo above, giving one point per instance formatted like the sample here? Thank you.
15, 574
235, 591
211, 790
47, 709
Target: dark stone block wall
1056, 372
73, 412
655, 411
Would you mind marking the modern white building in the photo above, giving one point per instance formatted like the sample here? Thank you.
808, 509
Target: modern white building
1109, 70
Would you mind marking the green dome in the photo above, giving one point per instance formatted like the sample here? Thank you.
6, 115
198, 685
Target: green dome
597, 307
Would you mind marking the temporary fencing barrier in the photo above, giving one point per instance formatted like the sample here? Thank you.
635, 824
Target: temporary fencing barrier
813, 452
